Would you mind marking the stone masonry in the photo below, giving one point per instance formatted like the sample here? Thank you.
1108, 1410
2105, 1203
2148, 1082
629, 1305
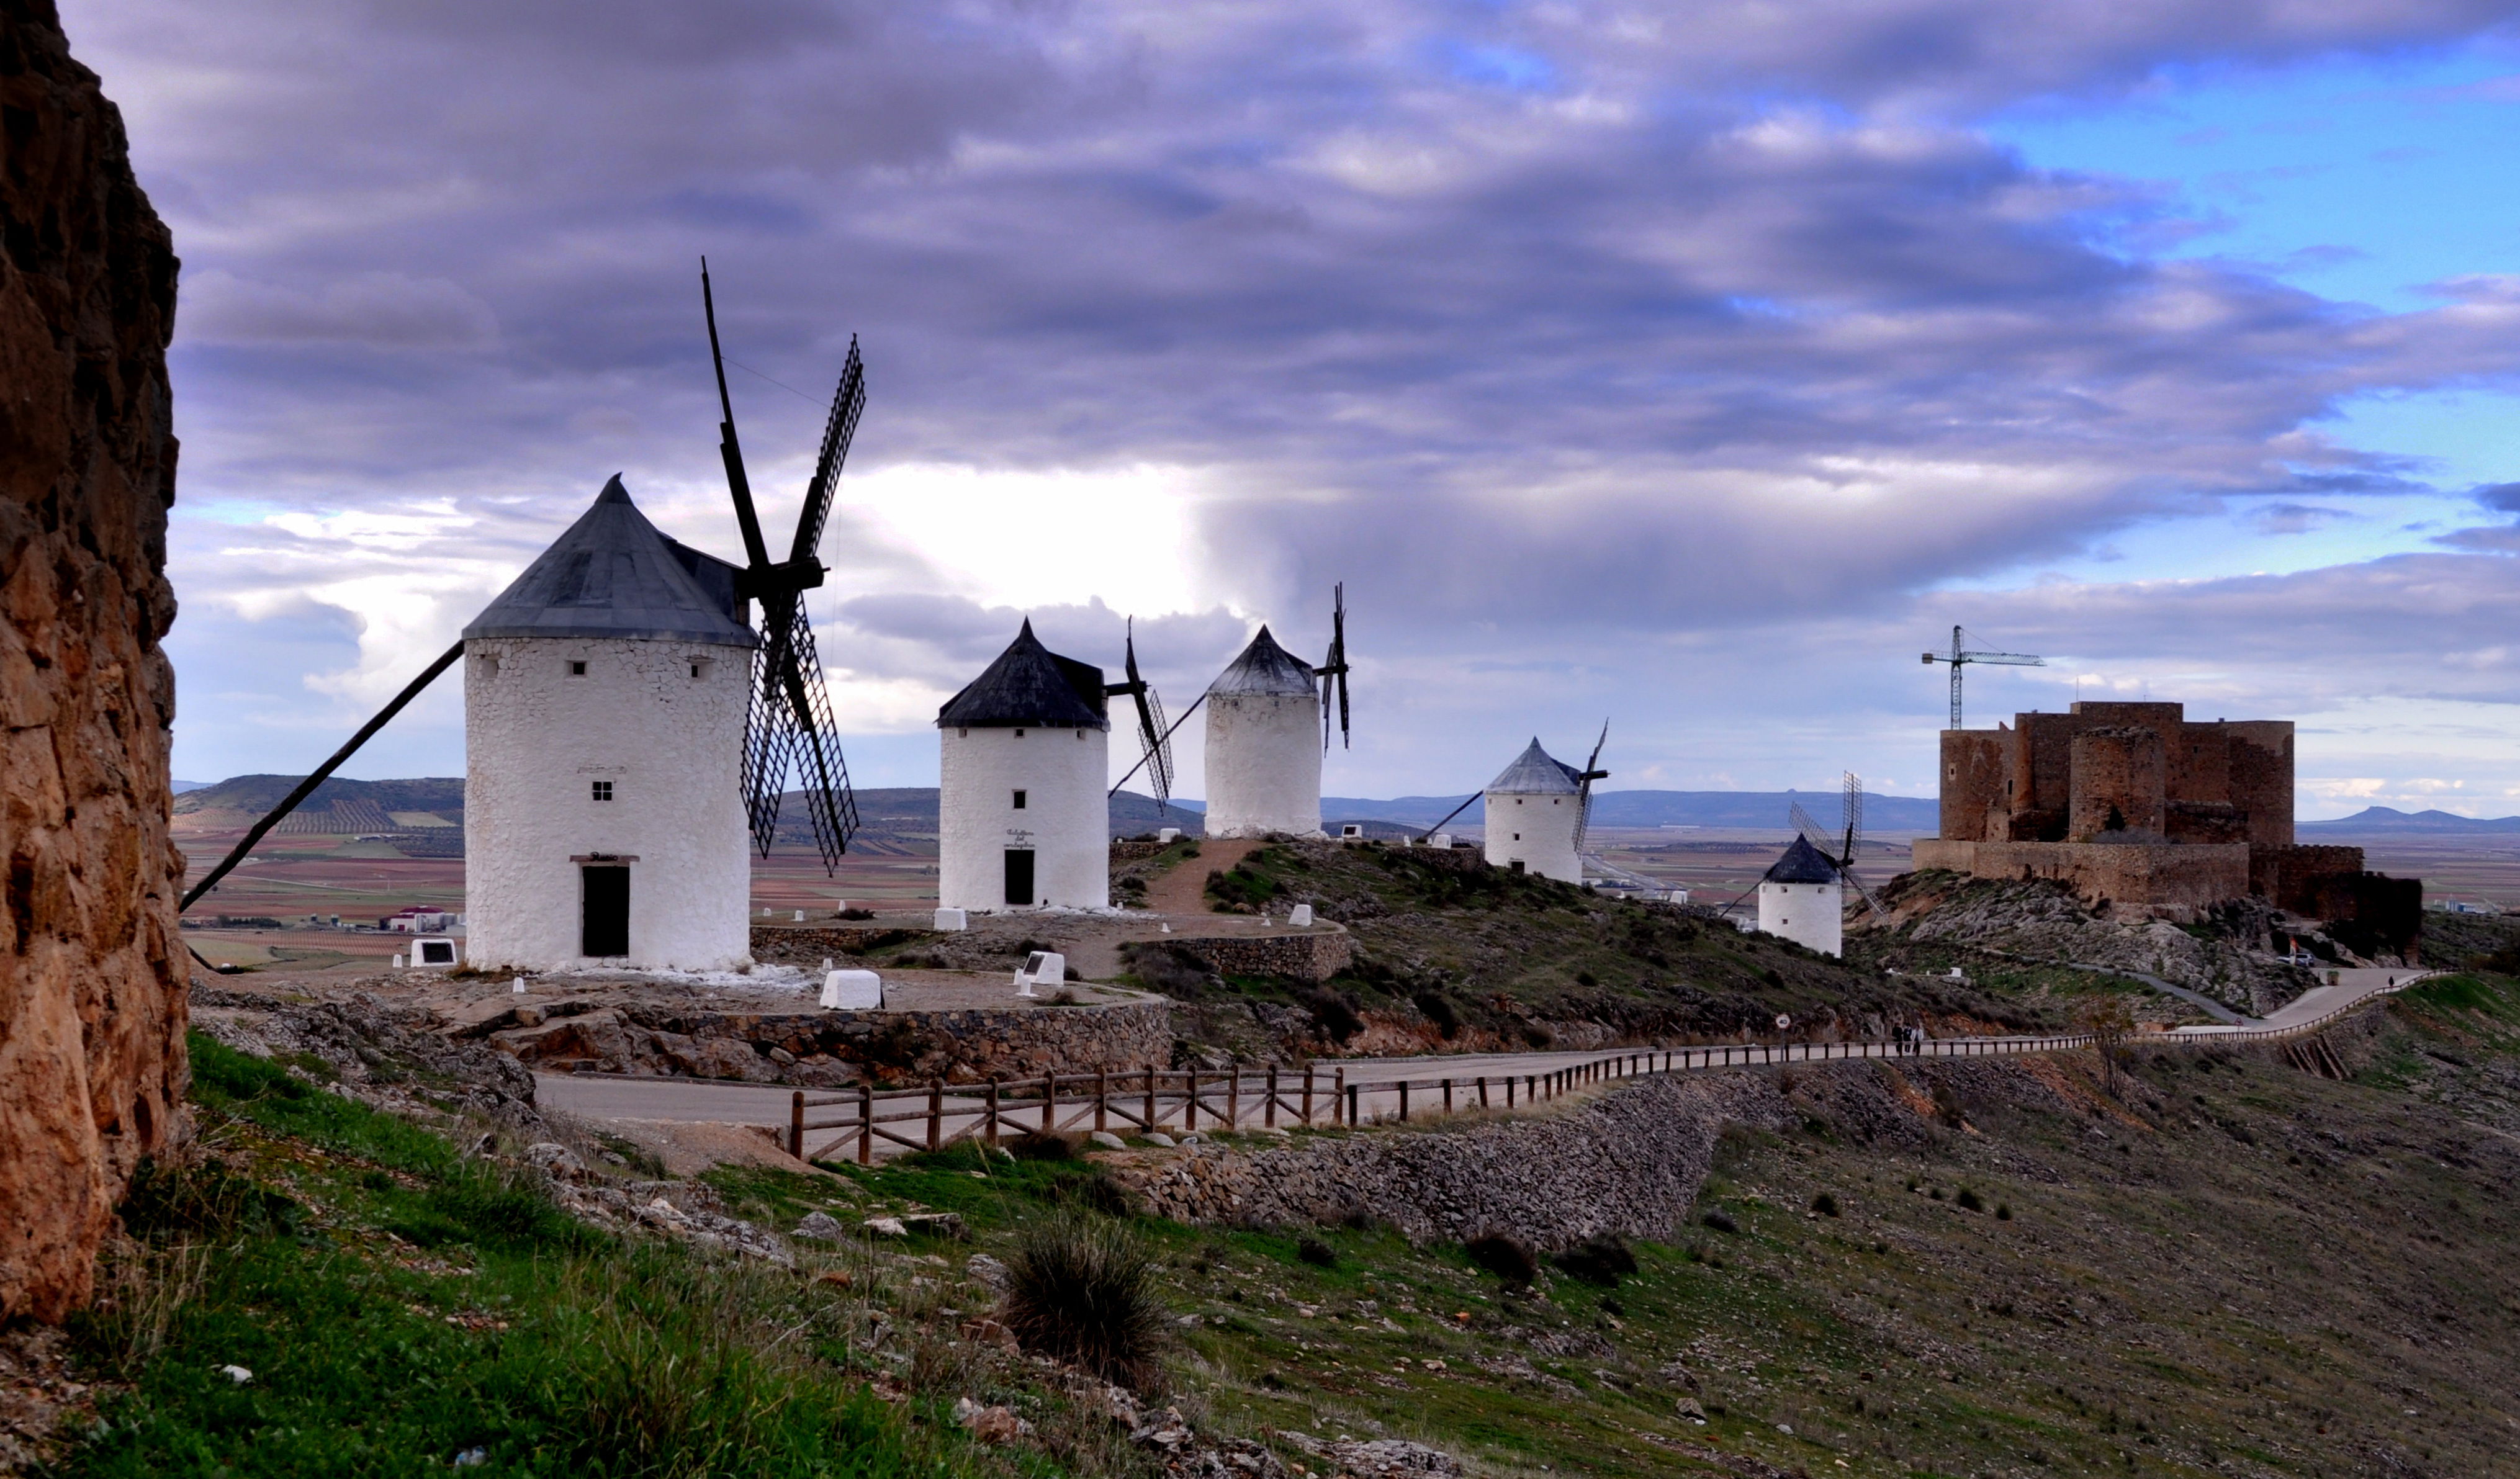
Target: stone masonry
2134, 805
91, 994
826, 1049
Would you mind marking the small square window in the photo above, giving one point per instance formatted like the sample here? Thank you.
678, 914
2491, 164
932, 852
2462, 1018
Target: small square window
1019, 802
603, 791
576, 669
696, 670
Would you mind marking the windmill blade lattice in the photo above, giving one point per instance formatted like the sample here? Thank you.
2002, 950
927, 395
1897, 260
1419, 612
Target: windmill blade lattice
788, 721
1584, 790
1155, 736
1334, 669
789, 730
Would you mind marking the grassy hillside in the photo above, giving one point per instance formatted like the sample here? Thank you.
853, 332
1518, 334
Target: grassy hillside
2217, 1264
1473, 956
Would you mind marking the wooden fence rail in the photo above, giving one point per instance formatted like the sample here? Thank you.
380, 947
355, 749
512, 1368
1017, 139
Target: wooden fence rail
1151, 1100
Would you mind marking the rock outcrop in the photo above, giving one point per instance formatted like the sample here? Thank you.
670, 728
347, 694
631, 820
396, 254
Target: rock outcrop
91, 1001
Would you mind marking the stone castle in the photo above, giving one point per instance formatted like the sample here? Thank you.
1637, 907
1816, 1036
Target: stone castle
2135, 805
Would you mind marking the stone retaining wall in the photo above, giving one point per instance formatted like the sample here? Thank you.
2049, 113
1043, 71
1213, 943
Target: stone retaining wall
1630, 1162
1315, 955
828, 1049
810, 944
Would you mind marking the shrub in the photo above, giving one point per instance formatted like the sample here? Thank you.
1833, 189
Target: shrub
1439, 1010
1082, 1290
1538, 1036
1602, 1259
1041, 1145
201, 1199
1825, 1204
2004, 1211
854, 913
1314, 1251
1504, 1255
1333, 1013
1359, 1220
1720, 1221
1969, 1201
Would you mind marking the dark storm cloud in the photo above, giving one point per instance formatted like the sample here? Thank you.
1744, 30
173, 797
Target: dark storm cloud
1601, 321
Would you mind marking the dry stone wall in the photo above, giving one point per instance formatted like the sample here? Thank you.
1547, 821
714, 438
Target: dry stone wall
1630, 1162
91, 1003
828, 1049
1314, 956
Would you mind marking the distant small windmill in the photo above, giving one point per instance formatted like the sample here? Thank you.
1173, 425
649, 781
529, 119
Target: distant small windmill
1839, 846
1962, 656
1155, 736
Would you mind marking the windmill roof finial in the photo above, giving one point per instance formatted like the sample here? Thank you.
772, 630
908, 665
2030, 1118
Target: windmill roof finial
1264, 667
1029, 685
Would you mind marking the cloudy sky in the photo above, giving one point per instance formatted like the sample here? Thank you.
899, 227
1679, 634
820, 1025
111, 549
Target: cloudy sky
1692, 365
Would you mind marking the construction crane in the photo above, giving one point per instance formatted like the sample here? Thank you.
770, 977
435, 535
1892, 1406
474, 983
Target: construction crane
1962, 656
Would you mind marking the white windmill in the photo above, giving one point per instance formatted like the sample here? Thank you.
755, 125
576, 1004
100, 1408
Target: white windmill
1263, 764
1022, 821
1536, 813
1802, 896
626, 724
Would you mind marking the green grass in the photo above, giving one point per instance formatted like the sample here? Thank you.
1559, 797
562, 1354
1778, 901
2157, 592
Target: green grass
398, 1305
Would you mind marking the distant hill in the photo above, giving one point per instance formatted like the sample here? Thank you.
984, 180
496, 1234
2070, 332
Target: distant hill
260, 793
1663, 808
181, 787
2388, 820
908, 814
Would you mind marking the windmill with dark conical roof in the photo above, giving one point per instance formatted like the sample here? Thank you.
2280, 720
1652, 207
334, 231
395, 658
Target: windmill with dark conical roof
605, 693
1022, 821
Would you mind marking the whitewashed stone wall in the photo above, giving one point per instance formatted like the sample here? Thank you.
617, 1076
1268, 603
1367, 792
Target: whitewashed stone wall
536, 740
1065, 819
1264, 765
1811, 914
1536, 830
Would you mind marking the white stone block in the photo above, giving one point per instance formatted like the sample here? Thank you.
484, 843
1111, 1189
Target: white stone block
1300, 917
1168, 834
852, 991
953, 918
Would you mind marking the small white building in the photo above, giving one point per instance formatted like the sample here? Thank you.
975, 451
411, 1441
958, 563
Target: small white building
1023, 774
604, 710
1264, 745
1802, 898
1534, 810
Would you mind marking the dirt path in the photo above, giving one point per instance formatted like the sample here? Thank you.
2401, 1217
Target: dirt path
1183, 890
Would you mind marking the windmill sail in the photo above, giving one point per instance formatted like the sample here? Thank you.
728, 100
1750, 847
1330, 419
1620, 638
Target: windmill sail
788, 729
1334, 668
1592, 771
1155, 736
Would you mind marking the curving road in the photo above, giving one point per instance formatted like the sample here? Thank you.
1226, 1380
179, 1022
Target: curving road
1392, 1088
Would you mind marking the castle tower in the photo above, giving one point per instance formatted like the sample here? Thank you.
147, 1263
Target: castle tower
604, 707
1264, 745
1022, 815
1534, 810
1802, 898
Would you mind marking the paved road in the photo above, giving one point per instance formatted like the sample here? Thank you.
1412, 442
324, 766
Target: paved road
2353, 985
1384, 1088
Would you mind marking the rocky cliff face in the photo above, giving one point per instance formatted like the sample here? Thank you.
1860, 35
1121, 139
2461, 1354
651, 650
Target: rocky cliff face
91, 1003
